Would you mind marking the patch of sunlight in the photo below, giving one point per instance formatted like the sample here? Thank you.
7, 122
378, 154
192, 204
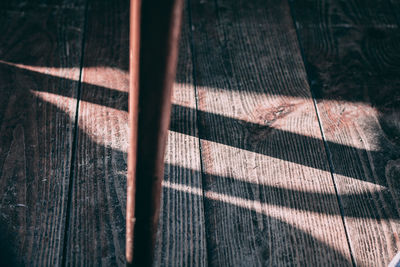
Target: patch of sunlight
294, 114
107, 77
259, 108
66, 73
316, 224
111, 78
108, 127
184, 95
64, 103
183, 150
101, 124
253, 167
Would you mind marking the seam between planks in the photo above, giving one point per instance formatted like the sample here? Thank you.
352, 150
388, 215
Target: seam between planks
74, 143
192, 51
327, 150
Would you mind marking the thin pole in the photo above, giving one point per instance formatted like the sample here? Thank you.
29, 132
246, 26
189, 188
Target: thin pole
134, 49
160, 29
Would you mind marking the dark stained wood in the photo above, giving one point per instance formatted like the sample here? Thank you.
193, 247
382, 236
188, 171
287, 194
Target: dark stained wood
40, 51
97, 221
268, 193
253, 98
181, 235
353, 60
97, 227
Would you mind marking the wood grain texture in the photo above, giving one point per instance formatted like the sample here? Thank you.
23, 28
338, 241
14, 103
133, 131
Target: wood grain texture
267, 191
97, 226
40, 53
352, 54
269, 195
96, 235
181, 237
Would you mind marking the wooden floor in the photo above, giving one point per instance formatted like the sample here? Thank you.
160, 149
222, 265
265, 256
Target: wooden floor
284, 144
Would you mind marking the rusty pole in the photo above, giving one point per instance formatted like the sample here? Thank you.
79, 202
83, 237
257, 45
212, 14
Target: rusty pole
159, 34
134, 49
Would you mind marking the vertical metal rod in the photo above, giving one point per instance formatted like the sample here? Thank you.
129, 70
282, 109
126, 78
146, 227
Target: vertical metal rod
159, 31
134, 49
160, 28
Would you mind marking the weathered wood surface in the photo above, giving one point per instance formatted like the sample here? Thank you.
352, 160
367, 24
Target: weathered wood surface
40, 49
181, 234
97, 225
353, 61
269, 198
96, 234
269, 195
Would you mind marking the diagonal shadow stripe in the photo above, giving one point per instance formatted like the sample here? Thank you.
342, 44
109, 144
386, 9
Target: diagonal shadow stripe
269, 195
319, 202
261, 139
270, 238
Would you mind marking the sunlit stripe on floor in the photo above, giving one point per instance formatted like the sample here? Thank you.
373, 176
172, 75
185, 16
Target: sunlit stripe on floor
96, 128
104, 77
278, 111
309, 222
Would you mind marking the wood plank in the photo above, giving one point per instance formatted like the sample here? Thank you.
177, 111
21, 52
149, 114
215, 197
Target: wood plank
97, 220
269, 195
40, 52
181, 236
97, 233
352, 53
